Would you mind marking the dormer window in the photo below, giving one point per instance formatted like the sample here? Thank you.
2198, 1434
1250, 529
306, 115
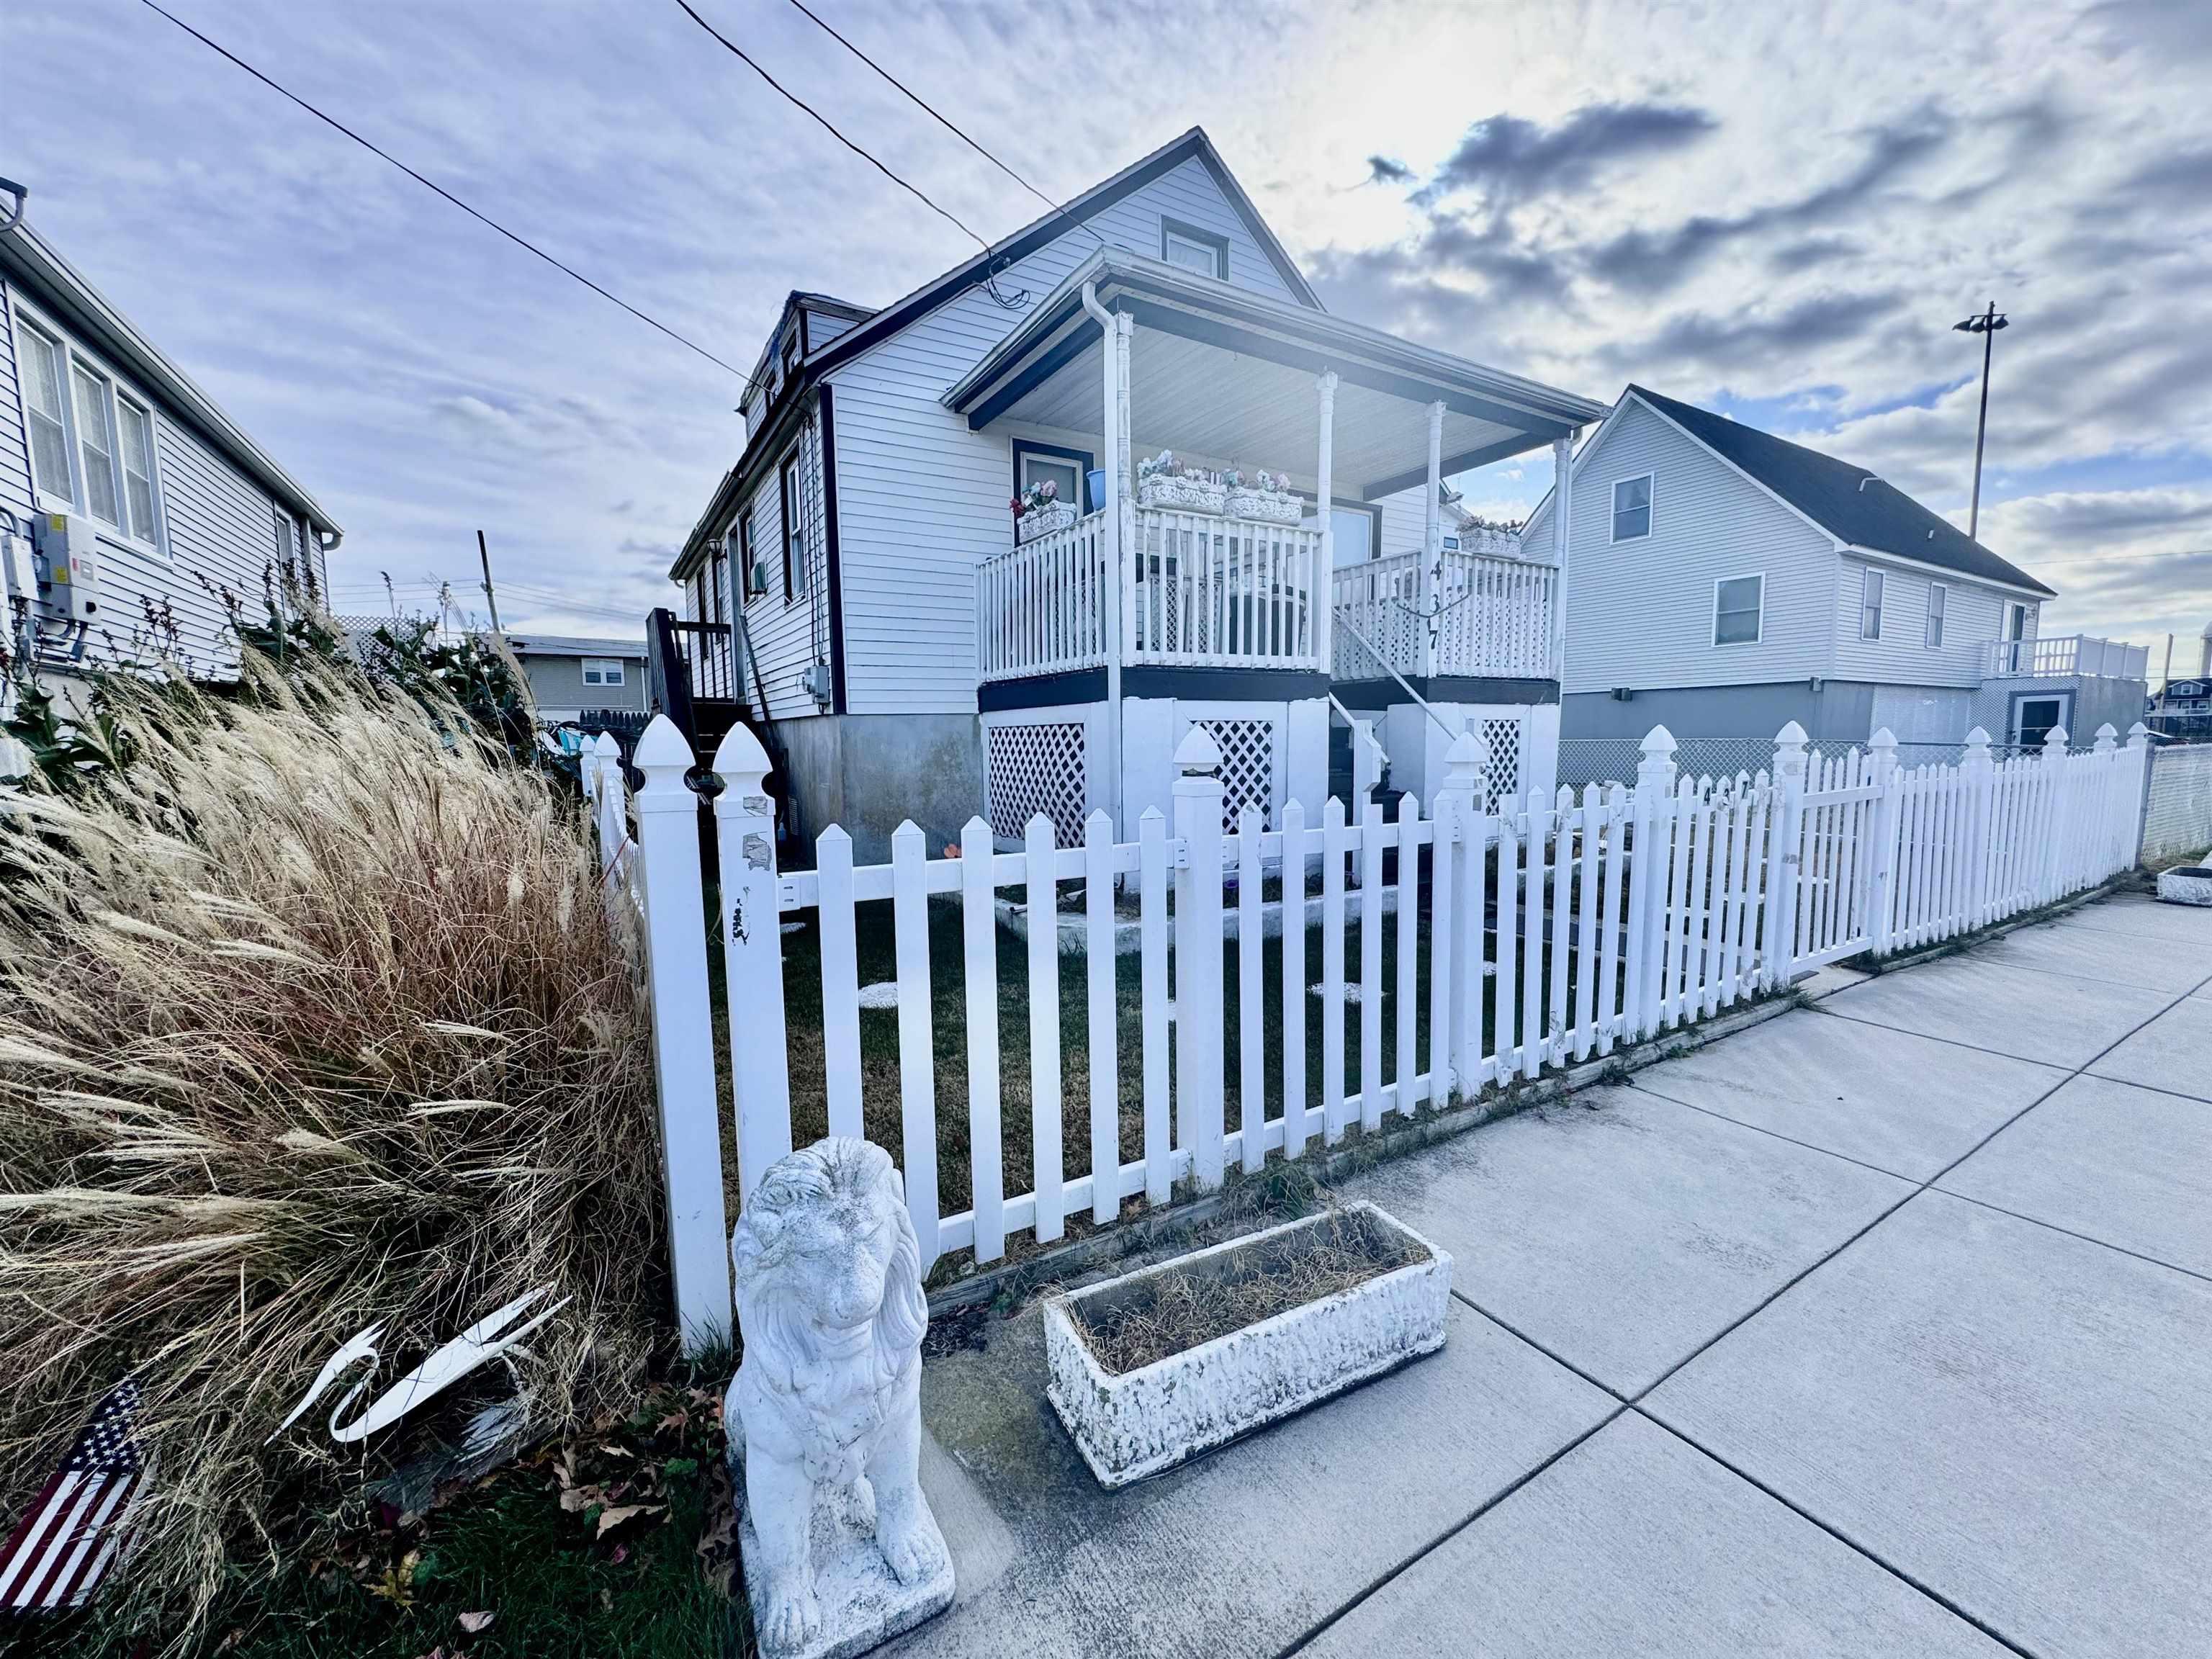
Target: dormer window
790, 350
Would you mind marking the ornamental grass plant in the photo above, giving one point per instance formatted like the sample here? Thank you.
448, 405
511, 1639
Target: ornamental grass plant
312, 1017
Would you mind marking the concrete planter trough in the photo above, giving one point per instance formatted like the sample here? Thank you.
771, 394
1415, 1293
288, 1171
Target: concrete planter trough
1137, 1423
2192, 885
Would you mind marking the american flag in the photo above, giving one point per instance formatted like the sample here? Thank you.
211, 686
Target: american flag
68, 1538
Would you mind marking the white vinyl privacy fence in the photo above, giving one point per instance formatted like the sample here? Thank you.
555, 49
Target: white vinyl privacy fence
1196, 999
2177, 811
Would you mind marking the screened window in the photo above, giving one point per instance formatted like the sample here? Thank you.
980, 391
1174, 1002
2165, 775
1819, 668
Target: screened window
95, 443
91, 440
1631, 509
602, 671
1870, 605
49, 410
795, 547
1736, 606
1194, 250
1064, 473
1938, 597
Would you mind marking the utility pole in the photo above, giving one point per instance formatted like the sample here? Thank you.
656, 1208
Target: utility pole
1985, 323
483, 558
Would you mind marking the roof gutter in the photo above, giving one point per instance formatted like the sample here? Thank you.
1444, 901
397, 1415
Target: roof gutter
64, 289
1948, 573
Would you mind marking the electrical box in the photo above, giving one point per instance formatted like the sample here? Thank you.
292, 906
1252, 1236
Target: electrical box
19, 574
817, 684
69, 585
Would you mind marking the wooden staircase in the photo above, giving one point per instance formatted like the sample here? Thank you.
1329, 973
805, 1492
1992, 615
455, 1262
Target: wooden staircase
692, 676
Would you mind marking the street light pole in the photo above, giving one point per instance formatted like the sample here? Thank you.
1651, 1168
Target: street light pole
1985, 323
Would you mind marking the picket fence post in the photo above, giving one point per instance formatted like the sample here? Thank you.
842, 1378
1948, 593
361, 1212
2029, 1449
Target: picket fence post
2101, 838
2054, 816
752, 978
2139, 796
1197, 792
1978, 774
1458, 878
1881, 828
1782, 854
605, 773
682, 1035
1654, 805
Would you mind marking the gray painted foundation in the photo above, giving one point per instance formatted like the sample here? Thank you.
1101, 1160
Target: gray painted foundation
870, 772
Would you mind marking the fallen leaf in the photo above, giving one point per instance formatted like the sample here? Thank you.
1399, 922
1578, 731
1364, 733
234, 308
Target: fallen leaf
611, 1518
476, 1623
675, 1422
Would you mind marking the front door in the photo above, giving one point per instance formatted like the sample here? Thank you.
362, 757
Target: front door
2033, 717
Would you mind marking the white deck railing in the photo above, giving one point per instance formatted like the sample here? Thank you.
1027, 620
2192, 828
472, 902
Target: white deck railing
1494, 617
1198, 591
2067, 654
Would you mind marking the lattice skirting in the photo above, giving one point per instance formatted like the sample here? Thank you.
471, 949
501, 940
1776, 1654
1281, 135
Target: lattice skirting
1248, 767
1036, 769
1502, 775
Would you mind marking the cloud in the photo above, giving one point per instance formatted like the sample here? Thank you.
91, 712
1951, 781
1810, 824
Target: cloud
1701, 346
1508, 158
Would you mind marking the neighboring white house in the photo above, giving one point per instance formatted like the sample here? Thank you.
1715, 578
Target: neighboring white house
1725, 581
916, 662
129, 504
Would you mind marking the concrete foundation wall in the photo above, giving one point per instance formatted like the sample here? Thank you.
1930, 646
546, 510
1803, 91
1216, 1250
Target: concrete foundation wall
1840, 711
870, 772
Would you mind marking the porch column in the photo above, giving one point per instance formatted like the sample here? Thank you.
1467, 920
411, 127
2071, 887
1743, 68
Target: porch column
1563, 507
1115, 465
1131, 550
1432, 550
1325, 579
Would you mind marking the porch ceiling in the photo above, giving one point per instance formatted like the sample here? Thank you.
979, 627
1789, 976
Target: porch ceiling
1222, 373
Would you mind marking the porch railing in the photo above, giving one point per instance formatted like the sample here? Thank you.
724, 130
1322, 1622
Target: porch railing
2067, 654
1494, 617
1198, 591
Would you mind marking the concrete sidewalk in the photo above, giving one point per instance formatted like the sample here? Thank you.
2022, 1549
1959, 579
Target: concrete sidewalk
1884, 1328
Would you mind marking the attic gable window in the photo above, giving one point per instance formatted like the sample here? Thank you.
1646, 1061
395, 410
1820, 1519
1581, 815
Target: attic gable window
1192, 249
1631, 509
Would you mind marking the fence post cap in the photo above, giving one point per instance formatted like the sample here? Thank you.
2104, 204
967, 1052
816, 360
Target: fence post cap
1464, 761
660, 746
741, 760
605, 746
1886, 739
2055, 740
907, 830
1791, 736
2138, 736
1658, 741
1978, 739
1198, 753
2107, 739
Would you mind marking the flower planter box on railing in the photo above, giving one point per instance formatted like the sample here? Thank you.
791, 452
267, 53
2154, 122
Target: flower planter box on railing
1267, 507
1131, 1423
1185, 495
1043, 521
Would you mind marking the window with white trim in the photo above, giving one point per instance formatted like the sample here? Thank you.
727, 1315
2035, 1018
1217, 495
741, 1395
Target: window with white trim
1631, 509
1738, 603
602, 671
92, 441
1870, 605
1938, 597
1193, 251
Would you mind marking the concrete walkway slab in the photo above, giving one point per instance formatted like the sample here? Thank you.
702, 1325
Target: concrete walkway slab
1906, 1103
1634, 1543
2129, 1166
1621, 1231
2173, 1052
2078, 947
2145, 918
1241, 1553
2014, 1417
2022, 1011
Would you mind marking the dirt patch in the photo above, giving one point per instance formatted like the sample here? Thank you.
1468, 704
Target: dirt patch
1179, 1309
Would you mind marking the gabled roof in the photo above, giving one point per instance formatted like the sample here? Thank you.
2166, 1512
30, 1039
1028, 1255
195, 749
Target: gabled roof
1858, 508
770, 438
58, 286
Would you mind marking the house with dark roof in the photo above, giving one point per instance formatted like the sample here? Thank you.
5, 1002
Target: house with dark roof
1726, 581
134, 511
1240, 525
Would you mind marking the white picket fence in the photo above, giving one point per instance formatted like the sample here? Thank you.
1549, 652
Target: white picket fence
1548, 930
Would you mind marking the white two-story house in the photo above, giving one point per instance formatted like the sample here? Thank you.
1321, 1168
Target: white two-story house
133, 511
859, 581
1726, 581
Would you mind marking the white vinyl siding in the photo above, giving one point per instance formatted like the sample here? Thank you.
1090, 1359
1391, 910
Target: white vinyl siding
1973, 614
921, 499
14, 440
787, 636
1641, 613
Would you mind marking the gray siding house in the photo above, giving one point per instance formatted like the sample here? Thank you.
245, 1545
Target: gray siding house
570, 677
167, 500
1725, 581
919, 654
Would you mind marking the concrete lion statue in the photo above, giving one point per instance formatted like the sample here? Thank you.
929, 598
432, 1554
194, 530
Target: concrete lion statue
825, 1414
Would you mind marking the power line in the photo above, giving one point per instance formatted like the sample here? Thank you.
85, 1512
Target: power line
483, 218
826, 124
930, 110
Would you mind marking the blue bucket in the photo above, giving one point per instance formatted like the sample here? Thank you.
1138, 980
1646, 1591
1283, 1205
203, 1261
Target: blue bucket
1097, 477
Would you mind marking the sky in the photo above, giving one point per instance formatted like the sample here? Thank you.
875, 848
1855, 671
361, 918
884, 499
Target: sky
1776, 211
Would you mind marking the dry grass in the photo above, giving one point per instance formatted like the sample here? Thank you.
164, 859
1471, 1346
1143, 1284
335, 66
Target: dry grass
1179, 1308
310, 1020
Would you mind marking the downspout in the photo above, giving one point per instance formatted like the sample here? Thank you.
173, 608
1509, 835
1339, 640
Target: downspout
1110, 426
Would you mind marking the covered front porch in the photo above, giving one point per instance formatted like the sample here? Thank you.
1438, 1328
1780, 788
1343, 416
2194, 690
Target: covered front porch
1249, 518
